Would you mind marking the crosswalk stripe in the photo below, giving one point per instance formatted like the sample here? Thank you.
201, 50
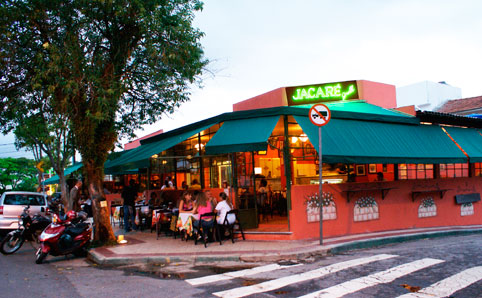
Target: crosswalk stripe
236, 274
449, 285
386, 276
284, 281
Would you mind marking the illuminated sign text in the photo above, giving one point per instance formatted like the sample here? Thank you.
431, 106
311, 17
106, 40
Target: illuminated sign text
323, 92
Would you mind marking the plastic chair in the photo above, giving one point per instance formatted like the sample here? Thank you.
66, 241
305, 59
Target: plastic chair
231, 227
204, 231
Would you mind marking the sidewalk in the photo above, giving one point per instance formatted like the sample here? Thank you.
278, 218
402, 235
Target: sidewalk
143, 247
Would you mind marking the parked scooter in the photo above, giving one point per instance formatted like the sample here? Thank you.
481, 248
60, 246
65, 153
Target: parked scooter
67, 234
29, 229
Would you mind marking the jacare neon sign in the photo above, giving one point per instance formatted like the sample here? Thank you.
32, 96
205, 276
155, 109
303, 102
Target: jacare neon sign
323, 92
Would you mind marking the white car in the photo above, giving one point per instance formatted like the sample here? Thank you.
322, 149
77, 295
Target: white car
12, 204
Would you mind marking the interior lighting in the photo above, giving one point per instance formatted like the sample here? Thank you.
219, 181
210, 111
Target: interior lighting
197, 146
303, 137
258, 170
294, 140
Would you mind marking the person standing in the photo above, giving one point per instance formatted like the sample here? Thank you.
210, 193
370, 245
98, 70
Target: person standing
262, 199
74, 201
129, 194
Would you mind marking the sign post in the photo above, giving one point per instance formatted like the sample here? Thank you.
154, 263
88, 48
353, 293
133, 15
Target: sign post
320, 115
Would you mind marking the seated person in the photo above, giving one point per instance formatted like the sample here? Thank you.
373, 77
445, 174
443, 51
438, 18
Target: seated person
153, 201
211, 199
223, 207
186, 203
202, 206
195, 185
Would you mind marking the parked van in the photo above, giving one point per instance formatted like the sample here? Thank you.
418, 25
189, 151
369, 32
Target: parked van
12, 204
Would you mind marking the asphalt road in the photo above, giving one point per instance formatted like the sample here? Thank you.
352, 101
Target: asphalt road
390, 271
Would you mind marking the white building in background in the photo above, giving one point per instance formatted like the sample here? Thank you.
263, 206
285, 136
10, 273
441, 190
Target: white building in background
426, 96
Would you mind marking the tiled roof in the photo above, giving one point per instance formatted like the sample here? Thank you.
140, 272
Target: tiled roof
463, 104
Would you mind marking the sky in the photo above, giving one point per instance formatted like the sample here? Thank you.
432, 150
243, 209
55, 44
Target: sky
259, 45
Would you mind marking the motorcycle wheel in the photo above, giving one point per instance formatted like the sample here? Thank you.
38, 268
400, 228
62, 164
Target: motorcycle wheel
40, 256
11, 243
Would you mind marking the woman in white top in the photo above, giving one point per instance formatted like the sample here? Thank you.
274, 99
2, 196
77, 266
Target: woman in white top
223, 207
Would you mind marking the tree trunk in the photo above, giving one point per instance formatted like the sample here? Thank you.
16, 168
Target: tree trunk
100, 209
64, 190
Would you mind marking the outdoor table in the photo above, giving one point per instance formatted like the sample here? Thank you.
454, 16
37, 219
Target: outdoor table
185, 215
156, 214
143, 209
160, 218
184, 223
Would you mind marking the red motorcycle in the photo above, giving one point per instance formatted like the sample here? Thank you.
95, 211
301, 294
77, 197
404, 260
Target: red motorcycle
67, 234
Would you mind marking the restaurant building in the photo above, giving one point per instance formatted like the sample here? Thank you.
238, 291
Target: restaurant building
383, 169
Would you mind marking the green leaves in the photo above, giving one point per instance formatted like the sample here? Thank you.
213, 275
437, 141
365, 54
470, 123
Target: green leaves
90, 71
18, 174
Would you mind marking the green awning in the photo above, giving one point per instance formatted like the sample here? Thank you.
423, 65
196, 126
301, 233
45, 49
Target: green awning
55, 179
139, 157
352, 141
242, 135
469, 139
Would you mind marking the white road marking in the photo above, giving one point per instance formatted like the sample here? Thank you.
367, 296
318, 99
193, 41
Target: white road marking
386, 276
288, 280
236, 274
449, 285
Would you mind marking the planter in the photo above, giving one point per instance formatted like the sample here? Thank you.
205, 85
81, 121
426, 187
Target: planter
427, 211
313, 213
466, 209
365, 213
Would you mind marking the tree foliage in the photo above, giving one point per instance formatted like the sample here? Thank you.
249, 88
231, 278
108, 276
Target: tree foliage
18, 174
46, 135
101, 68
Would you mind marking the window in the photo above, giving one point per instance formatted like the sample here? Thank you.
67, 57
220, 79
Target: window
453, 170
19, 199
216, 170
415, 171
478, 169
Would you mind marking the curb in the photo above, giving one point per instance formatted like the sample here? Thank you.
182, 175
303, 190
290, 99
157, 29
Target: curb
363, 244
101, 260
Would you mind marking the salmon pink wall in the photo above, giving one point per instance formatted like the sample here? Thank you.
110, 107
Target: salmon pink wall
383, 95
379, 94
396, 211
137, 142
274, 98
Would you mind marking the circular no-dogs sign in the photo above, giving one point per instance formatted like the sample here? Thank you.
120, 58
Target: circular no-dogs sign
320, 114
